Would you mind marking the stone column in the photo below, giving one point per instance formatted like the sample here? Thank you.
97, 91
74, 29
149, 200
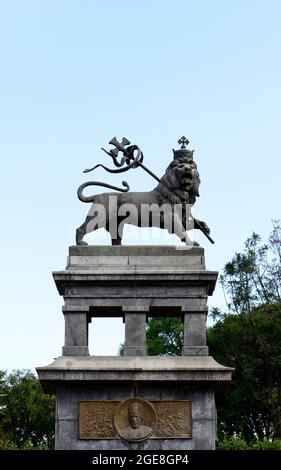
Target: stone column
135, 334
76, 334
195, 334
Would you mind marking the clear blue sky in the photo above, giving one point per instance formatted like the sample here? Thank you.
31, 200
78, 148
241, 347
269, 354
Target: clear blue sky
76, 73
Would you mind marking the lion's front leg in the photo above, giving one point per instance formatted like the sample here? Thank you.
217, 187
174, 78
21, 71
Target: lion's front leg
179, 230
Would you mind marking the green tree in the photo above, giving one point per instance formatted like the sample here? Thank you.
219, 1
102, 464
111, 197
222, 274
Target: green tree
3, 408
27, 412
248, 338
164, 336
251, 405
253, 278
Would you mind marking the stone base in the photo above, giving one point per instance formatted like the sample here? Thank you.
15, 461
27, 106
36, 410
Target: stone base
195, 351
115, 379
135, 283
172, 398
203, 416
135, 351
75, 351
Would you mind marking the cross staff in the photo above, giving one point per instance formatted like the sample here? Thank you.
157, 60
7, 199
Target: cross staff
129, 154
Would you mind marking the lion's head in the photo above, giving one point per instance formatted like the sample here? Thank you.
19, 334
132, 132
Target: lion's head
180, 182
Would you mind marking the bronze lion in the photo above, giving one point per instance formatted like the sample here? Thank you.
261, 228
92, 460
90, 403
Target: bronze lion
167, 206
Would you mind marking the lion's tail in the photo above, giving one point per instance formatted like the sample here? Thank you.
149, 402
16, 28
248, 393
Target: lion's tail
97, 183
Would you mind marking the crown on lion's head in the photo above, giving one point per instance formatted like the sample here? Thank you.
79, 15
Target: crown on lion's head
180, 183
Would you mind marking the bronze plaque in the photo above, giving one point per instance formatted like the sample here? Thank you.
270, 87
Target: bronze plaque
96, 419
135, 419
174, 419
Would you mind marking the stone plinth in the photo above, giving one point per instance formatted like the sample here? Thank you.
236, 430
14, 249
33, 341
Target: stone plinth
135, 283
78, 379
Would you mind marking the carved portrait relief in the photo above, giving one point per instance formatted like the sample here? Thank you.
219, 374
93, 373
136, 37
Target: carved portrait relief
135, 419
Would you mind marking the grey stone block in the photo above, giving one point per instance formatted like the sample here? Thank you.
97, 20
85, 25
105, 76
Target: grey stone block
135, 351
203, 416
195, 351
194, 330
105, 369
140, 250
203, 403
204, 434
135, 334
75, 351
76, 329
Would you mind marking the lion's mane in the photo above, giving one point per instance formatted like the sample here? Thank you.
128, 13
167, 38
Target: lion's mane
170, 188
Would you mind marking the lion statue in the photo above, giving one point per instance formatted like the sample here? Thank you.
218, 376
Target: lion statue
167, 206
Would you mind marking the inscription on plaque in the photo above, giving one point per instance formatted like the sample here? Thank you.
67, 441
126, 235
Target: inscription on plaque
135, 419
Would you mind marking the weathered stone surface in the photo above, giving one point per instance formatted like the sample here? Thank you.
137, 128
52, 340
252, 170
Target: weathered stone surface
132, 281
75, 351
78, 379
195, 351
136, 250
135, 351
142, 369
141, 277
135, 334
203, 416
135, 283
128, 257
76, 334
195, 335
134, 255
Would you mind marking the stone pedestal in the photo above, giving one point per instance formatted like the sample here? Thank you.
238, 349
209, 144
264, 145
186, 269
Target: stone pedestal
175, 394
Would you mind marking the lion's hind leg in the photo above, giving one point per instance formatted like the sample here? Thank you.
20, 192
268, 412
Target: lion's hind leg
83, 229
116, 233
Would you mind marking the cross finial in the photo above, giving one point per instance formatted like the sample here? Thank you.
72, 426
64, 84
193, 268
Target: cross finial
183, 142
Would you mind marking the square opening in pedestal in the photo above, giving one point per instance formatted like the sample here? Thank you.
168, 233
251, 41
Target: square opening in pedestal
164, 335
106, 335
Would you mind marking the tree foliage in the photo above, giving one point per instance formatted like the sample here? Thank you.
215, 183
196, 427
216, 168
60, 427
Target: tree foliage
237, 443
253, 278
164, 336
27, 413
247, 337
251, 406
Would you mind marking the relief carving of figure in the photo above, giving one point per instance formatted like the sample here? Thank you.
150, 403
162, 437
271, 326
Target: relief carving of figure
136, 431
135, 419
